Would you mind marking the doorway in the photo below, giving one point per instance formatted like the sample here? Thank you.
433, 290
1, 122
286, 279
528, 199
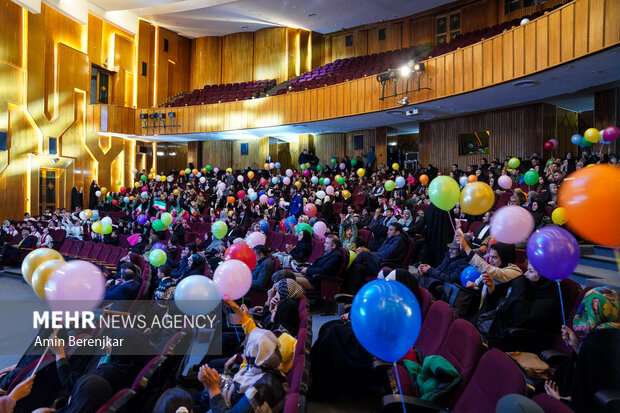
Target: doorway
48, 189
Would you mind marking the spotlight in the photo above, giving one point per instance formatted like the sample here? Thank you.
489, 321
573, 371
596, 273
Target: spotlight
418, 67
404, 71
144, 116
385, 76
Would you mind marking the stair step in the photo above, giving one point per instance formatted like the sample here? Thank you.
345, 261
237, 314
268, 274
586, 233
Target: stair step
597, 276
605, 251
599, 261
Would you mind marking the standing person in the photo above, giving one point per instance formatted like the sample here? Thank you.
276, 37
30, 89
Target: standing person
77, 199
370, 158
303, 157
93, 199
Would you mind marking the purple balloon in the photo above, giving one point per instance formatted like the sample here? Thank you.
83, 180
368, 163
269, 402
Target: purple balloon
75, 286
142, 219
158, 246
271, 201
611, 133
553, 252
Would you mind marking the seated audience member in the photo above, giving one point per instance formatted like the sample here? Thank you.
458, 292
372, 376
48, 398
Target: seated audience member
264, 267
282, 274
45, 241
259, 386
125, 288
531, 303
500, 268
9, 250
481, 238
365, 219
23, 389
391, 253
593, 364
327, 264
182, 266
550, 196
538, 213
297, 254
167, 285
450, 269
195, 265
234, 230
139, 247
174, 400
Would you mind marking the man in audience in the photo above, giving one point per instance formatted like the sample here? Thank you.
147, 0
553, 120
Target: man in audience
432, 278
264, 267
9, 251
126, 289
326, 264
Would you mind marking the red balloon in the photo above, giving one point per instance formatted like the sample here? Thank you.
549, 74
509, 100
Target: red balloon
115, 202
241, 252
283, 224
123, 189
310, 210
263, 181
240, 195
548, 145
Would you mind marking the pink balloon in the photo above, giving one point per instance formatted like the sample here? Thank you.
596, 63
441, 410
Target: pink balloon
289, 172
286, 180
133, 239
75, 286
310, 210
221, 186
611, 133
306, 172
329, 190
216, 169
319, 229
554, 142
342, 165
411, 179
512, 224
263, 199
255, 238
505, 182
233, 279
240, 178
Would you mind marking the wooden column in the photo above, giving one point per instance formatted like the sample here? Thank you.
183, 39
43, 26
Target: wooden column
381, 144
607, 112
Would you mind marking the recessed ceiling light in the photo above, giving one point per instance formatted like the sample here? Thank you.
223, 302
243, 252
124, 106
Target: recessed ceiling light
525, 83
597, 71
312, 15
244, 27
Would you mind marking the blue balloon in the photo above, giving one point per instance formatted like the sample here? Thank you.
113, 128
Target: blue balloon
290, 222
576, 139
469, 274
197, 295
192, 176
264, 225
553, 252
400, 182
274, 180
386, 319
253, 196
278, 165
261, 193
314, 180
463, 180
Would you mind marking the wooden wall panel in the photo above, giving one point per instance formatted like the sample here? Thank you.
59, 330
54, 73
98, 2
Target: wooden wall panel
176, 59
237, 57
512, 131
327, 145
144, 91
423, 30
206, 61
218, 153
270, 60
392, 41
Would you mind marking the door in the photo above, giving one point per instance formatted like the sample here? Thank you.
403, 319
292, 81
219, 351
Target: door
48, 190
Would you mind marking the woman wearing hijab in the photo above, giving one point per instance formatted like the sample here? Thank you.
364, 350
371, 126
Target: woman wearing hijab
77, 200
500, 268
93, 199
259, 386
299, 253
538, 214
338, 361
595, 361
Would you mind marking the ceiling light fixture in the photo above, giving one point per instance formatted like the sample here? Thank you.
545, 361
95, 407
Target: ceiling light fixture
525, 83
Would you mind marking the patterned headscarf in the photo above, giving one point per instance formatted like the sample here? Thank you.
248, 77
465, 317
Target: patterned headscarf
597, 311
288, 288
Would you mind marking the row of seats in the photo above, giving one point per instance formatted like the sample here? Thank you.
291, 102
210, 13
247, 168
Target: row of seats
229, 92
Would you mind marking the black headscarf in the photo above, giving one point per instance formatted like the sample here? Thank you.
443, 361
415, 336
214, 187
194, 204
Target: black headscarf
303, 248
286, 317
438, 234
539, 214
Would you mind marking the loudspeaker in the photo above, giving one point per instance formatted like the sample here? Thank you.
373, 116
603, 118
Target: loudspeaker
2, 141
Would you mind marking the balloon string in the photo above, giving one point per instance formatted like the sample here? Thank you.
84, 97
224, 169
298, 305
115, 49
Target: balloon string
52, 336
400, 390
234, 324
561, 303
451, 222
617, 254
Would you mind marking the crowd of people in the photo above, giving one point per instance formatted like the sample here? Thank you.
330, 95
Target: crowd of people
368, 221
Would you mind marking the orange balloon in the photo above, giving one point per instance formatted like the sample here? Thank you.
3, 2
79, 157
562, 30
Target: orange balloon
231, 199
266, 166
251, 175
591, 198
182, 172
195, 171
131, 198
423, 179
472, 178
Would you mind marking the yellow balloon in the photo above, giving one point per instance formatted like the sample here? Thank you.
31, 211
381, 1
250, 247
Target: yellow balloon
395, 166
88, 213
297, 184
97, 227
477, 198
559, 216
136, 184
337, 177
176, 192
346, 194
153, 170
104, 190
150, 176
36, 258
42, 273
117, 182
361, 172
163, 178
592, 135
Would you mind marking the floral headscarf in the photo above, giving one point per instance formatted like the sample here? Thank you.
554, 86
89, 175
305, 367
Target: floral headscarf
597, 311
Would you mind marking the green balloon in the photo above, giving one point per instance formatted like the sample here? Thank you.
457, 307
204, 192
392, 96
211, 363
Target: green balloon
389, 185
208, 167
157, 258
353, 162
188, 171
585, 143
158, 225
143, 178
333, 160
444, 192
321, 181
166, 218
304, 226
531, 177
219, 229
302, 166
514, 163
307, 164
319, 168
106, 228
352, 256
341, 180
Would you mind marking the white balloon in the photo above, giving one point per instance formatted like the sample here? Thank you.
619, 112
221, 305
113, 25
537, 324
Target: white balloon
203, 179
525, 21
144, 195
320, 194
170, 179
82, 216
134, 171
106, 220
158, 178
240, 178
98, 193
199, 175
